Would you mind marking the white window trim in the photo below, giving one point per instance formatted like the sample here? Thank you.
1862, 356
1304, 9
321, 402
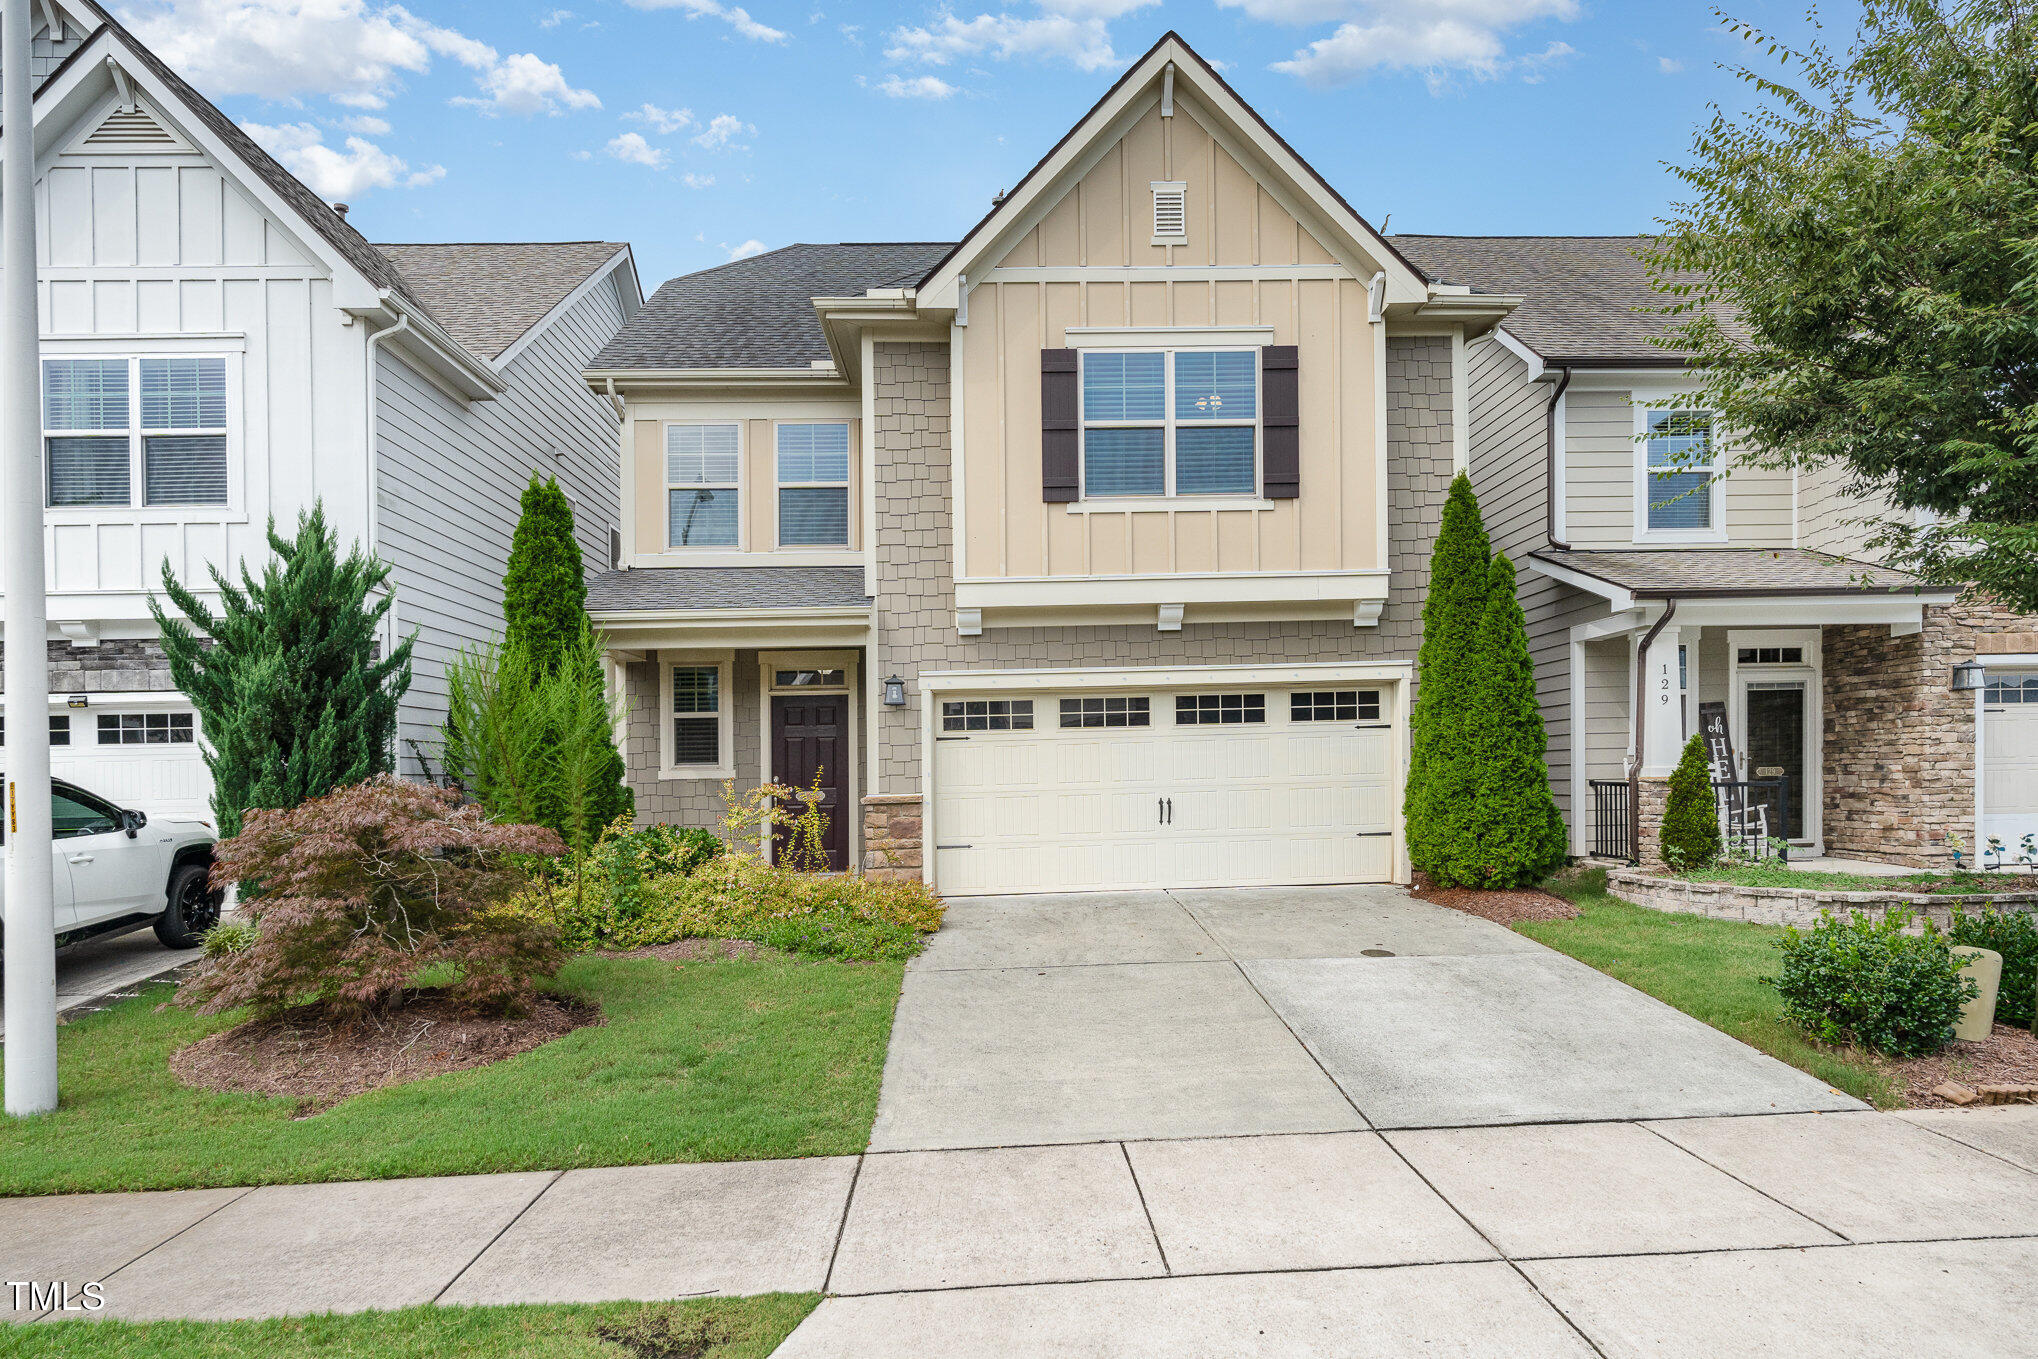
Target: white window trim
1169, 424
1716, 488
1175, 186
741, 487
849, 511
724, 662
231, 348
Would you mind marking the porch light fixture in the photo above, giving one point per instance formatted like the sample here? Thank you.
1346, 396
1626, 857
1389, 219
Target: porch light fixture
77, 701
895, 692
1967, 676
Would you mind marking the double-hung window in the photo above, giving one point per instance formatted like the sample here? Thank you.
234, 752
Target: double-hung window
1182, 422
127, 431
1680, 476
696, 715
813, 485
703, 494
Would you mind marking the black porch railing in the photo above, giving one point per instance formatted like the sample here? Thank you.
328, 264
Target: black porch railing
1612, 827
1755, 817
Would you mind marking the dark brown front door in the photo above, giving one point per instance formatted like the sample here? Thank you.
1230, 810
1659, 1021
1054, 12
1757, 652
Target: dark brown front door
807, 736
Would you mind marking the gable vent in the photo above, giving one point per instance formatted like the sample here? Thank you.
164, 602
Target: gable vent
1170, 213
131, 131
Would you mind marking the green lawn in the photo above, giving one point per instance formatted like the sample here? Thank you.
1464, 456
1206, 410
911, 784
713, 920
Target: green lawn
1710, 969
703, 1061
734, 1328
1776, 875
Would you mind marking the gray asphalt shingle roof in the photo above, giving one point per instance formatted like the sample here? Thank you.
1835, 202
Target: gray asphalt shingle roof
1581, 295
648, 588
487, 294
759, 312
1661, 572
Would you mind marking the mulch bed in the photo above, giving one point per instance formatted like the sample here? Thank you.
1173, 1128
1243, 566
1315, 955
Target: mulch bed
2008, 1056
320, 1061
1504, 908
691, 951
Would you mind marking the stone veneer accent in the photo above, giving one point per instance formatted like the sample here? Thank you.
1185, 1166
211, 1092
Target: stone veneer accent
1899, 743
123, 666
1798, 906
915, 550
1653, 801
891, 835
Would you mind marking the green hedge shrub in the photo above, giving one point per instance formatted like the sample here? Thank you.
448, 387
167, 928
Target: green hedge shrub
2014, 935
1869, 982
1691, 818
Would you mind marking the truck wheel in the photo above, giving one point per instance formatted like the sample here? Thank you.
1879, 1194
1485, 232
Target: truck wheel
191, 908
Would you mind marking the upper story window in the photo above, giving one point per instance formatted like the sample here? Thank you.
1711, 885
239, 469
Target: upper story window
113, 428
703, 485
813, 485
1170, 422
1679, 478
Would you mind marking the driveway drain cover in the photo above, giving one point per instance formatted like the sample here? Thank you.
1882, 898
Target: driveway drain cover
1376, 953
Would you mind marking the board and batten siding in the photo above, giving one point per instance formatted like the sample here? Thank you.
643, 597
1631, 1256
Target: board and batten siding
1509, 451
1600, 456
451, 475
160, 252
1037, 291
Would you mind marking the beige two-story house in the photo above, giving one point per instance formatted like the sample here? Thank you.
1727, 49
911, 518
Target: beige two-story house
1087, 551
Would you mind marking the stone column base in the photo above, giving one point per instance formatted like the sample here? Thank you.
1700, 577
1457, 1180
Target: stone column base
1653, 800
891, 835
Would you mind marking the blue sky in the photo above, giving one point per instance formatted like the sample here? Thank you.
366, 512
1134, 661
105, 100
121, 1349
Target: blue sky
697, 129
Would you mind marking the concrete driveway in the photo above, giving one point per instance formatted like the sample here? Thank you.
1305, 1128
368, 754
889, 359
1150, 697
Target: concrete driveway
1158, 1015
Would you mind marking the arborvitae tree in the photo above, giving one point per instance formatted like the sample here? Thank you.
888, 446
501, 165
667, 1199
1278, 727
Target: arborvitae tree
294, 699
1518, 833
544, 593
1442, 778
1691, 819
546, 631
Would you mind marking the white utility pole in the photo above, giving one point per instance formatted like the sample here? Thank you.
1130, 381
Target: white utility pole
31, 970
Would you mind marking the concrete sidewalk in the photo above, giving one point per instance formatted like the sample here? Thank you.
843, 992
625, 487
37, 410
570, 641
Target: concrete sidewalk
1806, 1234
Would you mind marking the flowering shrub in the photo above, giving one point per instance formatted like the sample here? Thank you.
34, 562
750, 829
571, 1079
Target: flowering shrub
367, 887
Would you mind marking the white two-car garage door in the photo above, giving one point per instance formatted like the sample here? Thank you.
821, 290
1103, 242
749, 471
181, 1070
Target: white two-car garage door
1189, 788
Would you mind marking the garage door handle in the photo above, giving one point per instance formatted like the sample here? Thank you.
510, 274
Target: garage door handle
1171, 811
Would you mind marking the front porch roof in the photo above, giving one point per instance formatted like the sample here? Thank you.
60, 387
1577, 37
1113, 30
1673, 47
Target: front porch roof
1714, 572
687, 589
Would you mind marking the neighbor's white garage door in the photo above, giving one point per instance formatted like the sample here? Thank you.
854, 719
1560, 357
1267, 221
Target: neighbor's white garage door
2009, 781
136, 757
1075, 792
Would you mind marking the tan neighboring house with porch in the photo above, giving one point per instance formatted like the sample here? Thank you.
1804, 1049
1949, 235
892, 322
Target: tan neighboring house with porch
1711, 588
1085, 552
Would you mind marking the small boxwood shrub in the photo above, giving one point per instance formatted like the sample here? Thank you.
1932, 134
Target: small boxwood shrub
2014, 935
1872, 982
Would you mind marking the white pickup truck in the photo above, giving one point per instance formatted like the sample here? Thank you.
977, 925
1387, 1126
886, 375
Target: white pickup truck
114, 869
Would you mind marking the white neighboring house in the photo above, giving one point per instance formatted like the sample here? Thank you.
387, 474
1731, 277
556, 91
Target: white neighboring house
221, 347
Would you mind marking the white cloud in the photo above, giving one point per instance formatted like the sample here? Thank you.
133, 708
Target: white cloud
1436, 37
1669, 65
721, 132
366, 124
753, 246
335, 174
1083, 42
555, 18
914, 87
735, 16
694, 181
1536, 65
632, 147
664, 122
526, 84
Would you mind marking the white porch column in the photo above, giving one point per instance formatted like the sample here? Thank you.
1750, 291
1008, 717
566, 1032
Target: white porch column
1662, 715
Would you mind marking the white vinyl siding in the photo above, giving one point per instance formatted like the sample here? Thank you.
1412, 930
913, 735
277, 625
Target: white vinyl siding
1601, 456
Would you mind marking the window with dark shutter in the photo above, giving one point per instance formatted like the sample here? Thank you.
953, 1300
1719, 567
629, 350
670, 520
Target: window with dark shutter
1280, 423
1060, 427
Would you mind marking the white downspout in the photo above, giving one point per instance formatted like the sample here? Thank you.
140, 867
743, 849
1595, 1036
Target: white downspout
374, 509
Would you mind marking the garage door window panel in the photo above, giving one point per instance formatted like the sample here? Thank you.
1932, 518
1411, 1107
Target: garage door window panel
60, 730
1161, 423
1106, 712
1334, 705
146, 729
1204, 710
994, 714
